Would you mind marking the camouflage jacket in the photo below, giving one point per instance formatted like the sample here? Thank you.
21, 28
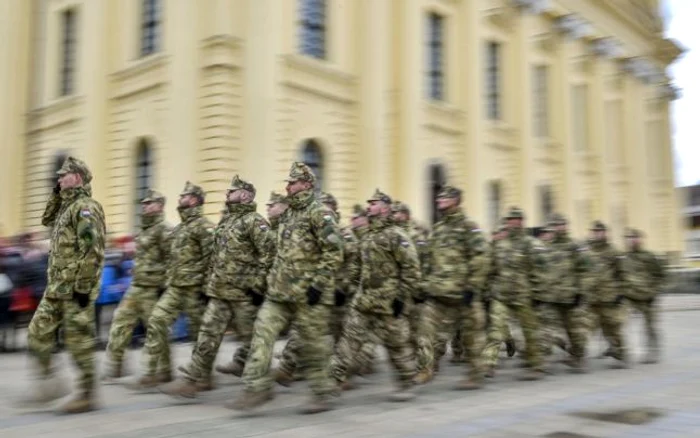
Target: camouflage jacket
309, 252
152, 252
607, 273
567, 264
390, 268
458, 257
518, 264
192, 244
420, 240
487, 291
242, 255
76, 255
644, 275
348, 276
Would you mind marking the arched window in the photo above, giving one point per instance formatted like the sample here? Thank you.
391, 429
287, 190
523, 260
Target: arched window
312, 38
546, 203
494, 196
144, 177
150, 27
312, 157
437, 182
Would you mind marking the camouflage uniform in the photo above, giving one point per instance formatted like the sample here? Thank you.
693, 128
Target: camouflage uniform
76, 259
455, 274
517, 268
148, 282
607, 293
497, 315
241, 258
390, 274
561, 303
644, 276
192, 245
300, 289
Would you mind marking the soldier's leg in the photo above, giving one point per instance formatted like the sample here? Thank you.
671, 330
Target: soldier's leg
315, 347
42, 332
473, 322
530, 327
549, 324
576, 325
495, 335
272, 318
245, 314
211, 332
428, 340
157, 343
80, 342
612, 321
194, 309
456, 344
290, 353
395, 335
125, 318
414, 322
651, 317
355, 336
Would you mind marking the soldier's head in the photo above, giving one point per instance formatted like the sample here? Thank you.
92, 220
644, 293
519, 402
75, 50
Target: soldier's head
358, 219
329, 201
400, 212
557, 222
240, 192
379, 205
191, 196
153, 203
449, 197
633, 239
73, 173
515, 218
599, 232
547, 234
301, 178
276, 205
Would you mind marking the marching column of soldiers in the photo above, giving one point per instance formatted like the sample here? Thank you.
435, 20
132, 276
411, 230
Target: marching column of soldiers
340, 291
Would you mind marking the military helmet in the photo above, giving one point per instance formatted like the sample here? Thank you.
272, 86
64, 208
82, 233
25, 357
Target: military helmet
449, 192
327, 198
74, 165
380, 196
515, 213
153, 196
598, 226
301, 172
238, 184
194, 190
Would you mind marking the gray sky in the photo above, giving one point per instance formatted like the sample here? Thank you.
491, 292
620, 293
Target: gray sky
682, 25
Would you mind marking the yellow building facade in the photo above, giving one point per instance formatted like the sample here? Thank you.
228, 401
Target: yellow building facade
559, 105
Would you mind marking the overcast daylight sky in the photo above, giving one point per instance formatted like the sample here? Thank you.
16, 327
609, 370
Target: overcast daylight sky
682, 25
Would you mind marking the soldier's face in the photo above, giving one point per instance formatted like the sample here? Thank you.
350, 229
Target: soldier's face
445, 203
359, 222
377, 208
560, 229
275, 210
600, 235
633, 242
234, 196
152, 208
297, 186
400, 217
187, 201
69, 180
515, 223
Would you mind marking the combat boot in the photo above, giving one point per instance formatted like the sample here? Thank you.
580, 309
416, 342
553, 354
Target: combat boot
114, 372
183, 388
233, 368
423, 377
250, 400
607, 353
206, 384
317, 405
164, 377
284, 378
510, 348
145, 383
368, 370
403, 394
490, 372
44, 391
84, 402
348, 385
468, 384
577, 364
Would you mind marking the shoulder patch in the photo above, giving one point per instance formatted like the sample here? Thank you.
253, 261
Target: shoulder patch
405, 243
476, 230
263, 226
327, 217
85, 212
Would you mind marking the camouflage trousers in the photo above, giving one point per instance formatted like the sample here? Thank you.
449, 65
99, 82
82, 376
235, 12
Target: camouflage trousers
78, 332
437, 327
393, 333
557, 317
527, 319
650, 315
171, 304
415, 316
217, 316
288, 361
610, 318
137, 305
311, 325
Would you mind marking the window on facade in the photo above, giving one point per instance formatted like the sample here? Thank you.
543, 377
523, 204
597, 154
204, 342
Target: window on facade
694, 196
546, 202
437, 182
313, 28
144, 177
494, 203
436, 51
493, 80
693, 247
695, 221
540, 98
150, 26
579, 111
613, 131
68, 46
312, 157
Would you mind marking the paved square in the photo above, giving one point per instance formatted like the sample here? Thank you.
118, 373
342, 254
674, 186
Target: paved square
505, 408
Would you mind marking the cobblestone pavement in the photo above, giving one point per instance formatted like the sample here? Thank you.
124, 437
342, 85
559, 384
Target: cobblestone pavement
561, 406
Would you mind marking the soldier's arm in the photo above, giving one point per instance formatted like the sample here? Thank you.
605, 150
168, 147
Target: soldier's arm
206, 245
89, 224
51, 210
538, 266
582, 265
406, 257
166, 242
263, 239
330, 243
353, 263
478, 260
